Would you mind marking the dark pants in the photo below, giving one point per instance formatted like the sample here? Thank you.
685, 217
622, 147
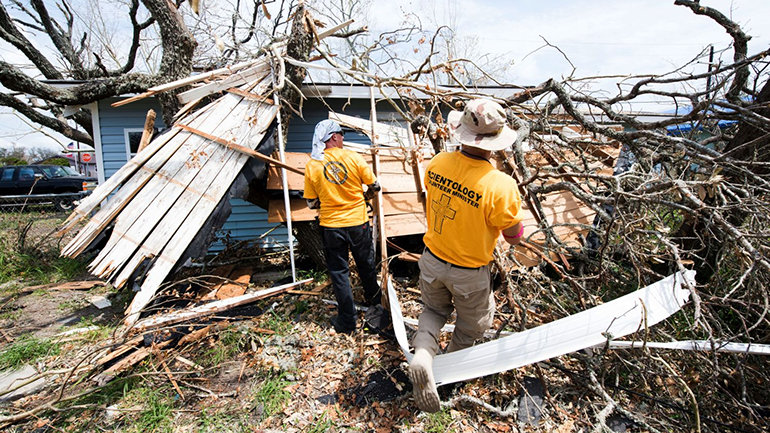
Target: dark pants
358, 240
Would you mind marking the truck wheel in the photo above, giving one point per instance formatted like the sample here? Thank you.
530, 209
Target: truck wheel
63, 204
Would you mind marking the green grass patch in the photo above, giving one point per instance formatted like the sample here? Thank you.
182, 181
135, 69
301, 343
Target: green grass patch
157, 415
30, 252
221, 421
271, 395
319, 276
26, 350
227, 345
439, 422
276, 322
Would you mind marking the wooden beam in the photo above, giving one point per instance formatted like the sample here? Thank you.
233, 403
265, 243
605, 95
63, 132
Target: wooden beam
334, 29
245, 150
212, 307
149, 126
254, 73
252, 96
187, 81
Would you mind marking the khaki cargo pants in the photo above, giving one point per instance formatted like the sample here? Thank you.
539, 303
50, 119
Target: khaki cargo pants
444, 288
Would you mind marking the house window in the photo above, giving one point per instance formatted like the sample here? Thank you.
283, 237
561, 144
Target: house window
133, 136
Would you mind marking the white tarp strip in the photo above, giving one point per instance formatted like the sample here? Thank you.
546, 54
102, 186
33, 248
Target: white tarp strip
705, 345
617, 318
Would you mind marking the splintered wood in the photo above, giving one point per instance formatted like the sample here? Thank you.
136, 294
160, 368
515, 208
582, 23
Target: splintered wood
161, 198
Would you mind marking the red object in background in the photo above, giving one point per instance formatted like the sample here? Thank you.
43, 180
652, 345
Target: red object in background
86, 157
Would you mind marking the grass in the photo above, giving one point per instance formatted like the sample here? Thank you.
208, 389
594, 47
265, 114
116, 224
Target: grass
29, 252
439, 422
228, 345
101, 332
318, 276
272, 395
276, 322
221, 421
157, 414
26, 350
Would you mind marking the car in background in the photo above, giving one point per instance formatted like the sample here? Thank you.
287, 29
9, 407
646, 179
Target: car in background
43, 184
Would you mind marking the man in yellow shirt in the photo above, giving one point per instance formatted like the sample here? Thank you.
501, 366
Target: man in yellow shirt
468, 204
334, 180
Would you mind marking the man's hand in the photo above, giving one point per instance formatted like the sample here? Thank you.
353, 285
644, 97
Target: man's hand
313, 203
373, 189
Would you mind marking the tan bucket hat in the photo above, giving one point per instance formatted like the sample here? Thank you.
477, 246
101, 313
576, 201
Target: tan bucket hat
481, 124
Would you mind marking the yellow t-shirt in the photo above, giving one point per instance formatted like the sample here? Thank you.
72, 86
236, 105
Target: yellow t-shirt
469, 202
337, 182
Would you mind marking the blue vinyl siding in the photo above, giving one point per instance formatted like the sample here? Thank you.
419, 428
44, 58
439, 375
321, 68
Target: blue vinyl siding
301, 130
248, 222
113, 122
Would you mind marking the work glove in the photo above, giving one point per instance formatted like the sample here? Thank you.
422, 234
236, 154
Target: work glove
373, 189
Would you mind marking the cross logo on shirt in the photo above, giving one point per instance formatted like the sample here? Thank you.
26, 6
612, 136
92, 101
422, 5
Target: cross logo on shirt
335, 172
441, 212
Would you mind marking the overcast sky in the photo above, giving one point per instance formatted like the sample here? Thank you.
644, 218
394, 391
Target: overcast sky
600, 37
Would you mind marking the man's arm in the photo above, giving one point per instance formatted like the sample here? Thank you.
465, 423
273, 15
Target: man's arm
513, 234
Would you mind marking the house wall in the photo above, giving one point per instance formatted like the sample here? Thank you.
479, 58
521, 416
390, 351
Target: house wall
114, 121
247, 221
301, 130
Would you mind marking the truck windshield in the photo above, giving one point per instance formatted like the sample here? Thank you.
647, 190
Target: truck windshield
71, 171
55, 171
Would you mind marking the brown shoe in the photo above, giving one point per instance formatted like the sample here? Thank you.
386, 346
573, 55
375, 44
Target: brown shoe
423, 385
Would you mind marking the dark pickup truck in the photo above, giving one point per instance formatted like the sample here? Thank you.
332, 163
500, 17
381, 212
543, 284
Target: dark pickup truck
43, 184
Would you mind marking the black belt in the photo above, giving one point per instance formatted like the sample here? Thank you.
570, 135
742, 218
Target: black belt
449, 263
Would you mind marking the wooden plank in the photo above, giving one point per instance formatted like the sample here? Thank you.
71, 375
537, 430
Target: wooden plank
149, 126
212, 307
120, 351
396, 174
206, 75
405, 224
276, 212
245, 150
187, 81
134, 183
402, 202
334, 29
239, 282
199, 192
252, 74
91, 201
167, 256
158, 195
249, 95
384, 134
139, 219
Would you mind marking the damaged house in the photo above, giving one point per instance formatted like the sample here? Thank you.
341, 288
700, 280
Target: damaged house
216, 173
229, 160
213, 170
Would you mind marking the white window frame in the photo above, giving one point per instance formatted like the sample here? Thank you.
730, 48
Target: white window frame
127, 131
